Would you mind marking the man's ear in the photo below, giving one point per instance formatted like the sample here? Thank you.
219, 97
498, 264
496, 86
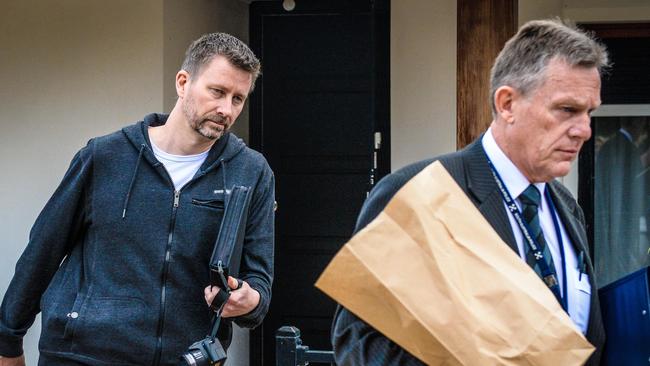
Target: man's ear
504, 99
182, 81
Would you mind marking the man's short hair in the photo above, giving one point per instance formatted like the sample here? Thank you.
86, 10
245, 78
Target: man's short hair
522, 62
203, 50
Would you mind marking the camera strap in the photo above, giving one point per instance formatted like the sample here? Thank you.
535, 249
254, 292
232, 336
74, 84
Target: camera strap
216, 319
224, 293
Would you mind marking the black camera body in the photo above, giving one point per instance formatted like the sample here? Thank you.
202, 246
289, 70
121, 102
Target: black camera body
207, 351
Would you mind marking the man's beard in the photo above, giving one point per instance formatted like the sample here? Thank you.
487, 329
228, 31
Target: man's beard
205, 125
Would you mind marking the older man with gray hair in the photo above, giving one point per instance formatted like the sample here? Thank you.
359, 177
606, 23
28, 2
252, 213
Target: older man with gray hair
544, 85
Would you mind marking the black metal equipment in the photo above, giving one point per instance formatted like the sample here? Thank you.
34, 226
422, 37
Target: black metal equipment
207, 351
289, 350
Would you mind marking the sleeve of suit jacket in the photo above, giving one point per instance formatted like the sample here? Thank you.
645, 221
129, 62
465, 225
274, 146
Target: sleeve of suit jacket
354, 341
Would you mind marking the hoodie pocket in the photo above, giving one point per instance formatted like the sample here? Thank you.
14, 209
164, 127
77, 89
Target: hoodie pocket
213, 203
114, 329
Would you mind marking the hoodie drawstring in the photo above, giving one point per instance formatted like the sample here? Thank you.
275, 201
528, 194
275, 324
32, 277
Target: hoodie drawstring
223, 167
135, 174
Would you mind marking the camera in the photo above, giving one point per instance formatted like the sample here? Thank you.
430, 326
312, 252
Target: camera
207, 351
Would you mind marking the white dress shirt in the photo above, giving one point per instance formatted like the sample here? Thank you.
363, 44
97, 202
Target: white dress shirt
578, 286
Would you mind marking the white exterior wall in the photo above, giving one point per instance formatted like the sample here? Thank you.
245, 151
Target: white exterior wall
423, 79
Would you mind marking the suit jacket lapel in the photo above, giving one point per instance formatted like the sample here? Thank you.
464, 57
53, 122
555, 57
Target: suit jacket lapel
566, 210
485, 193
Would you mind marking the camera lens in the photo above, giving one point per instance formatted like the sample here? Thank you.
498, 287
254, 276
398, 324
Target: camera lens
194, 357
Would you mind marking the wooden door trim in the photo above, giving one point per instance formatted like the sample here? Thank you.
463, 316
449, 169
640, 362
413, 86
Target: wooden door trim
483, 28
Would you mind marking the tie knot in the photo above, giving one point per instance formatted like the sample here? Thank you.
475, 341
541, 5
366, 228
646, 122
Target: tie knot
530, 196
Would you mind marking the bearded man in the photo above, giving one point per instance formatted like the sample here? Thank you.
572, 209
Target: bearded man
117, 261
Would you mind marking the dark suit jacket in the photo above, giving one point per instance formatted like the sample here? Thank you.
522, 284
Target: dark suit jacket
357, 343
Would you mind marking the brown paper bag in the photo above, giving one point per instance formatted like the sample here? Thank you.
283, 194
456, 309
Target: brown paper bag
431, 274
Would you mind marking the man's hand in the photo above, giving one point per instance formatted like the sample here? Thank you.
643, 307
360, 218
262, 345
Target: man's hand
242, 301
12, 361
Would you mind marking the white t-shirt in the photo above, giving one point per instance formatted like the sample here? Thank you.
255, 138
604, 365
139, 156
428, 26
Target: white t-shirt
181, 168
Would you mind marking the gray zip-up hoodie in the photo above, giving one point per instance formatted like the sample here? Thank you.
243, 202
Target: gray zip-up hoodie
118, 259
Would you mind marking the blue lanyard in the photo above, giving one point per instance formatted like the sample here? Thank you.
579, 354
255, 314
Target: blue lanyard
558, 233
549, 278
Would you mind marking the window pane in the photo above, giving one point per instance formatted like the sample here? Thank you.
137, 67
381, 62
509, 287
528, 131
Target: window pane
621, 196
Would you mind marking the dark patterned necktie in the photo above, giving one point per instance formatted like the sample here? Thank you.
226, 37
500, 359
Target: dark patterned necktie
530, 200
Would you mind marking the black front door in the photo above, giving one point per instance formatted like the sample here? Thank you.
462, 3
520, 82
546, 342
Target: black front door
320, 115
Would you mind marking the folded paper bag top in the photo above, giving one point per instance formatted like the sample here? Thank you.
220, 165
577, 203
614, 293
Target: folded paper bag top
432, 275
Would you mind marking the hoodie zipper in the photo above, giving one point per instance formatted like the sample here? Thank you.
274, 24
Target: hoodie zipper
163, 288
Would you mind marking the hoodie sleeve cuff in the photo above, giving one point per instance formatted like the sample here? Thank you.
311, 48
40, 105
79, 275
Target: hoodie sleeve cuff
256, 316
11, 347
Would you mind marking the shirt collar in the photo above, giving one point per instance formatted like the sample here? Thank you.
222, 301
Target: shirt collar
515, 181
